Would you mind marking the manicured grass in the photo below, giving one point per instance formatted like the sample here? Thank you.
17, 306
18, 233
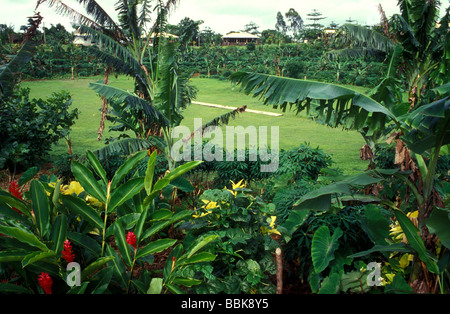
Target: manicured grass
293, 129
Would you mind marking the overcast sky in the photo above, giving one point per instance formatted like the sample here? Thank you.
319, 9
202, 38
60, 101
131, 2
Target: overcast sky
223, 16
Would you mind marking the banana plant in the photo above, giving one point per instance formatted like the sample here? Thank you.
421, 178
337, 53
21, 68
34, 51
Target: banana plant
160, 95
422, 126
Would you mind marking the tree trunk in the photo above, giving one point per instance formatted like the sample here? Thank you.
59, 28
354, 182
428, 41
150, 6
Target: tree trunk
104, 106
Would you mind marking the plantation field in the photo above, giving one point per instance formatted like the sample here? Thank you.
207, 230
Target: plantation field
293, 129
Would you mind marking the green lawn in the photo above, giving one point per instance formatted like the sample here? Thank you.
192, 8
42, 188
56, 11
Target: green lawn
293, 129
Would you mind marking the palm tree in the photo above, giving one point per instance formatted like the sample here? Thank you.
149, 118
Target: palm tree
417, 54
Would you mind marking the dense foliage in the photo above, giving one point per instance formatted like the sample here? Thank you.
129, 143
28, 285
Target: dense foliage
29, 127
129, 218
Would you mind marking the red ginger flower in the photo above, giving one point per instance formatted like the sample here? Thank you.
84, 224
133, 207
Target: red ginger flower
131, 239
67, 254
15, 190
46, 282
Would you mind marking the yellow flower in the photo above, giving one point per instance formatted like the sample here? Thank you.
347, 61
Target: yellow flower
202, 214
396, 231
93, 201
234, 186
209, 204
238, 185
405, 260
74, 187
272, 229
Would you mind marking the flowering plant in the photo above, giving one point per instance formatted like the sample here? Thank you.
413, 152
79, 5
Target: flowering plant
246, 230
55, 221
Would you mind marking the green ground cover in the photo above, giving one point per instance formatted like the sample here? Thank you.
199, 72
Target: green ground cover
293, 129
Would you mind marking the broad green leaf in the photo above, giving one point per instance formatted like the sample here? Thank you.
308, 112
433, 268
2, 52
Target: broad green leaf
323, 247
155, 247
79, 206
161, 214
155, 286
188, 282
199, 244
353, 282
398, 286
200, 257
58, 233
320, 199
12, 255
126, 167
149, 198
102, 279
13, 201
439, 224
86, 242
41, 207
96, 166
295, 220
180, 170
55, 196
160, 184
125, 192
23, 236
122, 244
118, 266
172, 261
85, 177
7, 211
91, 268
36, 256
414, 239
160, 225
149, 173
396, 247
140, 225
78, 289
330, 285
338, 105
134, 101
28, 175
155, 228
174, 289
138, 201
377, 225
13, 288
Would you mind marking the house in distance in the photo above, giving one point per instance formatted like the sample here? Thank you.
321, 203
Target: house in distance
239, 39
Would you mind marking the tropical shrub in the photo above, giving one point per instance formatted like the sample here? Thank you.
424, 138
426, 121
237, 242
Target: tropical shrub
29, 127
109, 227
245, 227
350, 238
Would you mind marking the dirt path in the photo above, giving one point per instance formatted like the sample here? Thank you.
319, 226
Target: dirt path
233, 108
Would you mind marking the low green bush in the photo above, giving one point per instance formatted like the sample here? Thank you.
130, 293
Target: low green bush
29, 127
